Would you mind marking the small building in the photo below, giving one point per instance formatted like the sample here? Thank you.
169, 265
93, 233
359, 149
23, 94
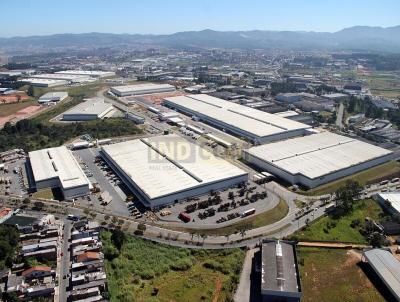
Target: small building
387, 267
53, 97
288, 97
57, 168
280, 279
35, 272
91, 109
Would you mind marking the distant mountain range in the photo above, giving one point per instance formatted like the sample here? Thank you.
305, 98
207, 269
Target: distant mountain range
358, 38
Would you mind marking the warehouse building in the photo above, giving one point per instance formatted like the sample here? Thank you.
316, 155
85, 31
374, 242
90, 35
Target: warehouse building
65, 77
91, 109
141, 89
44, 82
387, 267
390, 201
164, 169
255, 125
280, 279
91, 73
316, 159
53, 97
57, 168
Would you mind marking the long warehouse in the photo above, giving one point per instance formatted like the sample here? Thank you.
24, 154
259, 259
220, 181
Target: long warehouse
387, 267
141, 89
255, 125
57, 168
164, 169
91, 109
316, 159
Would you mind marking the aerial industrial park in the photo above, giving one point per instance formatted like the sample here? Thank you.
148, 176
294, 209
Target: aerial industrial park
180, 168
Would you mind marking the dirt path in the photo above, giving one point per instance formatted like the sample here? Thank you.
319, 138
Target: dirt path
337, 245
218, 286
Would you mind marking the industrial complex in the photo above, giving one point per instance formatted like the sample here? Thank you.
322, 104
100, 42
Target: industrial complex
255, 125
165, 169
57, 168
91, 109
141, 89
316, 159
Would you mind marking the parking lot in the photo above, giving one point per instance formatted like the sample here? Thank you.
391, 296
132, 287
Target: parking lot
106, 180
221, 208
13, 179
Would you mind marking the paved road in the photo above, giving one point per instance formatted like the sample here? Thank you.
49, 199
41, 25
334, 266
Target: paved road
65, 261
339, 116
243, 290
117, 205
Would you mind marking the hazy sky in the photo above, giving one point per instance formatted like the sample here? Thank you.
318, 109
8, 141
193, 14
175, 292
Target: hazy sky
40, 17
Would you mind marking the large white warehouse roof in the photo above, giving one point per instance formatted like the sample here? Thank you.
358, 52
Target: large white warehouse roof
168, 164
91, 73
317, 155
142, 89
95, 107
57, 163
256, 123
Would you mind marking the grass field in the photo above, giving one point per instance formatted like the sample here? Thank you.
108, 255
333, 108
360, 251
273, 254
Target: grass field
143, 268
8, 109
256, 221
386, 85
76, 94
332, 275
323, 229
375, 173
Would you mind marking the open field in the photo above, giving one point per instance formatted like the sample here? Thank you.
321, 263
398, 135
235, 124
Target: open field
8, 109
332, 275
143, 271
369, 175
256, 221
76, 94
328, 228
386, 84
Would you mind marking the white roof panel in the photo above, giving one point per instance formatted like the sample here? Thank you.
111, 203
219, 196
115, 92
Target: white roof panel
57, 162
95, 106
167, 164
250, 120
318, 154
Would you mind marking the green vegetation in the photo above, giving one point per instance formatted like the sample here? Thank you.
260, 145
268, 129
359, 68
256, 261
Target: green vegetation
32, 134
9, 237
342, 229
44, 194
144, 271
76, 94
374, 174
253, 222
333, 275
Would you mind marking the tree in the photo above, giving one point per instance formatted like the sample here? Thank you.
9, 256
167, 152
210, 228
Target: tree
26, 201
31, 91
141, 227
118, 238
376, 239
345, 197
38, 206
